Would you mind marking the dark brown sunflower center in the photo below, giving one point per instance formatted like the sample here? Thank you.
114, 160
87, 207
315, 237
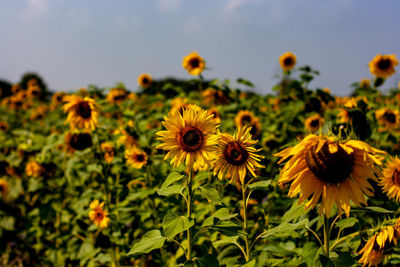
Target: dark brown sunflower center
390, 117
194, 63
396, 177
83, 109
330, 167
246, 119
2, 188
59, 98
215, 115
271, 144
314, 123
254, 130
18, 103
235, 153
80, 141
384, 64
3, 127
190, 139
35, 92
145, 80
288, 61
99, 215
140, 158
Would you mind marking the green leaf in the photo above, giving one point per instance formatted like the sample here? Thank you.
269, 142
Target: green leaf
346, 223
210, 193
251, 263
286, 229
226, 241
259, 185
171, 178
245, 82
294, 212
220, 215
207, 261
150, 241
379, 210
95, 168
171, 190
174, 224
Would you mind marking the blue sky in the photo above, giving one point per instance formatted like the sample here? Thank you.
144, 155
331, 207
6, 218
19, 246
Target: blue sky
73, 43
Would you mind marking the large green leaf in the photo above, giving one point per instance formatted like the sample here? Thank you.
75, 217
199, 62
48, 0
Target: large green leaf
259, 185
171, 190
210, 193
171, 178
286, 229
150, 241
346, 223
174, 224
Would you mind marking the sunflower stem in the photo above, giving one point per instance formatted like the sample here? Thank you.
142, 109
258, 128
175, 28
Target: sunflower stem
189, 215
246, 238
326, 234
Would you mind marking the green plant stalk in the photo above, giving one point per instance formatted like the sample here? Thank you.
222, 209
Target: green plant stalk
189, 215
246, 238
326, 234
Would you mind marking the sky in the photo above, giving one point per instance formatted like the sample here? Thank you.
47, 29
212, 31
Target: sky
74, 43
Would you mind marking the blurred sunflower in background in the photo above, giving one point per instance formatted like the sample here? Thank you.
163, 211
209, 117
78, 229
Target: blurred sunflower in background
246, 117
390, 179
382, 66
117, 95
144, 80
4, 126
34, 169
77, 141
216, 114
135, 157
57, 99
82, 112
333, 171
33, 91
98, 215
108, 150
4, 188
314, 123
287, 61
388, 118
15, 88
190, 137
194, 63
213, 96
236, 157
376, 247
364, 83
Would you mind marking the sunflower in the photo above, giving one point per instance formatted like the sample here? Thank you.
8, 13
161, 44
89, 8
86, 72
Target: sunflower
144, 80
236, 156
82, 112
214, 97
314, 122
271, 142
15, 88
246, 117
135, 157
382, 66
287, 61
77, 141
194, 63
126, 138
190, 136
388, 118
98, 215
374, 250
108, 150
333, 171
57, 98
3, 188
364, 83
4, 126
390, 180
117, 95
39, 113
178, 104
33, 91
34, 169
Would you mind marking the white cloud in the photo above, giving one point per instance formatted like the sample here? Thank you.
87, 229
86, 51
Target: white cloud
168, 5
35, 8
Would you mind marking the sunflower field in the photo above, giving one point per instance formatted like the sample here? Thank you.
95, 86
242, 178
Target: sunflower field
201, 172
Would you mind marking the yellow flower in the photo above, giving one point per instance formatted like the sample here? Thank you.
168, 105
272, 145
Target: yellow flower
236, 157
117, 95
3, 126
33, 91
374, 250
214, 97
194, 64
16, 88
287, 61
190, 136
77, 141
34, 169
57, 98
82, 112
98, 215
144, 80
216, 114
333, 171
4, 188
390, 180
109, 151
135, 157
382, 66
246, 117
388, 118
364, 83
314, 122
